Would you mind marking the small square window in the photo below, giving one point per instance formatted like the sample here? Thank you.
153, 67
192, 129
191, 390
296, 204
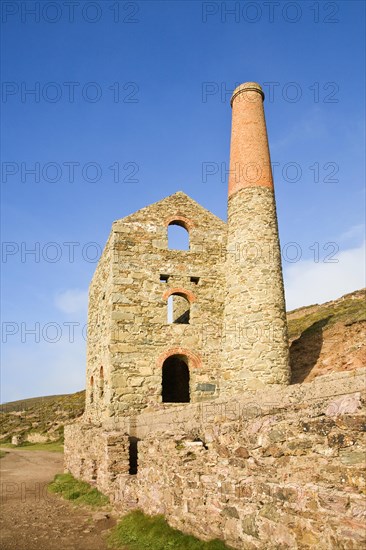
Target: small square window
164, 278
195, 280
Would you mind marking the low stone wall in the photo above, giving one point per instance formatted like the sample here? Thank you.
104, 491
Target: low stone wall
96, 456
37, 437
282, 469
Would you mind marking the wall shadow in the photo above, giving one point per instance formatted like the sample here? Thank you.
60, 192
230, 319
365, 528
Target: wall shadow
305, 351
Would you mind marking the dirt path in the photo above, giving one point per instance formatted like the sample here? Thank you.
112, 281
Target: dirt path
33, 519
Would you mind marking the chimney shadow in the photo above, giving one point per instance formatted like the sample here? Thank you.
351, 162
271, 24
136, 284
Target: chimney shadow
305, 351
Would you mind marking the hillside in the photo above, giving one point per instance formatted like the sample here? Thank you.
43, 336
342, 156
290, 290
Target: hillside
323, 338
40, 418
328, 338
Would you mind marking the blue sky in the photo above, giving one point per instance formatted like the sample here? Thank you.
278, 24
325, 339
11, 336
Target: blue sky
132, 105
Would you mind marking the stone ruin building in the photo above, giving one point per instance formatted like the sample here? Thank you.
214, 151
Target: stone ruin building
189, 411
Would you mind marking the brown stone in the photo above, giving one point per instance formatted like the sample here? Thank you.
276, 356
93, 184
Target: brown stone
249, 526
273, 450
230, 511
241, 452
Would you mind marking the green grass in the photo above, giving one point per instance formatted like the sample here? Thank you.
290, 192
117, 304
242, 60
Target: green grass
53, 446
78, 491
136, 531
2, 454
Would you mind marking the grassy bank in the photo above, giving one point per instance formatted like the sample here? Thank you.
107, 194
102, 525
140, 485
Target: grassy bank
53, 446
78, 491
136, 531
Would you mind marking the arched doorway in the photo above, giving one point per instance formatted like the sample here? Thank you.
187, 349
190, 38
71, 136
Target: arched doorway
175, 380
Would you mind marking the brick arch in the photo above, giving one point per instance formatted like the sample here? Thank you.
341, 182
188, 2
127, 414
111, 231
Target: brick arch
182, 221
194, 360
180, 292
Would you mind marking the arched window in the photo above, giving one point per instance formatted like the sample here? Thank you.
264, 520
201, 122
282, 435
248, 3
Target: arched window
178, 309
175, 380
91, 389
101, 383
178, 235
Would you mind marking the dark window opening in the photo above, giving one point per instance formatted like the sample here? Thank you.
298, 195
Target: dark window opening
195, 280
175, 380
178, 236
178, 309
133, 455
164, 278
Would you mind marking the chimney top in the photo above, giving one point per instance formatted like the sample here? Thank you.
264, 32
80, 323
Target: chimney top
247, 87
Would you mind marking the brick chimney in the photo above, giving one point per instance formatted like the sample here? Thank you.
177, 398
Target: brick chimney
255, 345
250, 163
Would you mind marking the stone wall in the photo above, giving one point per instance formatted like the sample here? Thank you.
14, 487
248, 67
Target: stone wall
278, 468
96, 456
98, 373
